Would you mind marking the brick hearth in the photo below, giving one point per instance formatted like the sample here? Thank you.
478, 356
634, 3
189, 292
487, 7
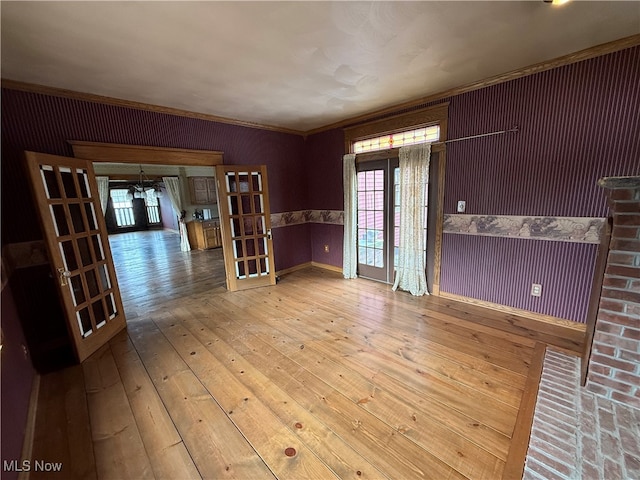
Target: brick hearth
593, 432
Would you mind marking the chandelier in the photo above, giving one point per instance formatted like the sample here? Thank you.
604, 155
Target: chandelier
144, 187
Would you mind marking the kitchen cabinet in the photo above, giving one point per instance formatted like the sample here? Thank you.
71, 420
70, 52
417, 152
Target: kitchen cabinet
204, 234
202, 190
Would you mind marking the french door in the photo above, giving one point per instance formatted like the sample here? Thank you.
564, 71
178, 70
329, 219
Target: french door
377, 238
66, 196
379, 219
245, 225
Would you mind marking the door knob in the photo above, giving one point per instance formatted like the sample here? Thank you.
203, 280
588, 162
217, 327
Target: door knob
64, 277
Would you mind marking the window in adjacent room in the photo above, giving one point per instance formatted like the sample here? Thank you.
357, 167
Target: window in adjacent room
122, 207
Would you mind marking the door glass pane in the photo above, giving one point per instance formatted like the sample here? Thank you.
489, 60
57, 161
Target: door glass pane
240, 269
238, 251
67, 180
235, 228
59, 220
377, 262
83, 182
84, 321
98, 313
257, 203
233, 205
76, 218
85, 253
91, 215
92, 283
263, 266
246, 204
250, 249
104, 277
69, 256
253, 267
243, 178
262, 246
256, 180
260, 225
111, 306
50, 181
248, 225
77, 291
97, 247
231, 182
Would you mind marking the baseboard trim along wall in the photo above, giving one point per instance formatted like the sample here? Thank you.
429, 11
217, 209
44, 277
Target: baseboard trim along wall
538, 317
324, 266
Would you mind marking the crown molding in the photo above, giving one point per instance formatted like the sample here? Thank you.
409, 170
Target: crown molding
90, 97
586, 54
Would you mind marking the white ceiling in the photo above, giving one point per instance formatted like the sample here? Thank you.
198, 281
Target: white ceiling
296, 65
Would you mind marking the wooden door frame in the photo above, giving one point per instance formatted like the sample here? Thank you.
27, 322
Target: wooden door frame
139, 154
433, 115
438, 184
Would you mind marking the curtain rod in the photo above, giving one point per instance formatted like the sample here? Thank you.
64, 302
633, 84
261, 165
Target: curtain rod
513, 129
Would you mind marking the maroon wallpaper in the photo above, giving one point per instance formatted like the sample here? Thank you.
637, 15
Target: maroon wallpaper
323, 160
563, 270
43, 123
577, 124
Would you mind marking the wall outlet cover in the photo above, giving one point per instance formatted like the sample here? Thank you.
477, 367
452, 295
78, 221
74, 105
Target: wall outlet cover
536, 290
462, 205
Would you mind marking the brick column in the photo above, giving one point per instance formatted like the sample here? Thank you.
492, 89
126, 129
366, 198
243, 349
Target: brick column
614, 365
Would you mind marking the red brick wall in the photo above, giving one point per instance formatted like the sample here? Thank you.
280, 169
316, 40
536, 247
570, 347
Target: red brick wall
614, 366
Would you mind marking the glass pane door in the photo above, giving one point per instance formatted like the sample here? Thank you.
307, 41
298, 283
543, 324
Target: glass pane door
245, 226
374, 223
65, 191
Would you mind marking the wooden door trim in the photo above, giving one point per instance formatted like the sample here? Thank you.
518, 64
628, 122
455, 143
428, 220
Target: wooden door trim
142, 154
594, 299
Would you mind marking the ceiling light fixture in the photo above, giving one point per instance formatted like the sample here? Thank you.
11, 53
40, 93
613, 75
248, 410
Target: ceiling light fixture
556, 2
143, 187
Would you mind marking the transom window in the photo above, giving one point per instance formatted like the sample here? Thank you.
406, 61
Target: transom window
399, 139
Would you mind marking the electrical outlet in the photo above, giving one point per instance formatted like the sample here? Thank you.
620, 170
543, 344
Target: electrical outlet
536, 290
326, 249
462, 205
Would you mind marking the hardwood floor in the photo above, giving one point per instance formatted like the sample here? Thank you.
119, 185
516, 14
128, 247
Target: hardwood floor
316, 377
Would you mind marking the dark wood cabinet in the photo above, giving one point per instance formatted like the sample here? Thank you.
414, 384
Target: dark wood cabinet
204, 234
202, 190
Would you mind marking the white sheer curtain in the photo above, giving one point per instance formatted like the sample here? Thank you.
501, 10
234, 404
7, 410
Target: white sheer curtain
172, 184
414, 177
103, 192
350, 184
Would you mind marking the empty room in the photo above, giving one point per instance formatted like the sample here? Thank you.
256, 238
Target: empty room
383, 240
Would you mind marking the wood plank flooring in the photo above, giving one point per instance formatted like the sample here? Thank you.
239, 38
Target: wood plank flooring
316, 377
